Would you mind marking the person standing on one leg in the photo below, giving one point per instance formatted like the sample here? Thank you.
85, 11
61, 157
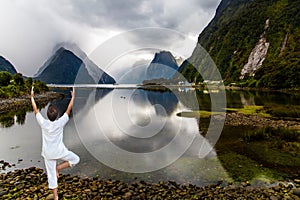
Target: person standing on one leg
53, 148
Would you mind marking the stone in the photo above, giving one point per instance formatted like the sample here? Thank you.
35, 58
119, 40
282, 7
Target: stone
50, 197
297, 181
273, 198
277, 188
296, 191
2, 193
87, 191
127, 195
94, 188
244, 184
68, 196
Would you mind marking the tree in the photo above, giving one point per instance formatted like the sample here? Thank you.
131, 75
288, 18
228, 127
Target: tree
18, 78
5, 78
28, 84
40, 86
3, 94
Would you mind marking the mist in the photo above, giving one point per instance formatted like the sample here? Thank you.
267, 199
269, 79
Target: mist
31, 29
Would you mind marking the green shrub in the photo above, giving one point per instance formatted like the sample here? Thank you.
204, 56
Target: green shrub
267, 133
18, 79
277, 110
12, 91
257, 135
40, 86
5, 78
3, 94
15, 86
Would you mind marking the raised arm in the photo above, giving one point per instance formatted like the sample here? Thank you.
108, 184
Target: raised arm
68, 111
35, 109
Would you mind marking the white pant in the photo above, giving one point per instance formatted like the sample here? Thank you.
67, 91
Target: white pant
50, 164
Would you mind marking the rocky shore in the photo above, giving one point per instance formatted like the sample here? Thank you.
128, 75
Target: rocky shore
239, 119
13, 104
31, 183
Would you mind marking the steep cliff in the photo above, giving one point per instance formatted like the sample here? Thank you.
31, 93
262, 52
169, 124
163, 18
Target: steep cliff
253, 43
163, 65
257, 55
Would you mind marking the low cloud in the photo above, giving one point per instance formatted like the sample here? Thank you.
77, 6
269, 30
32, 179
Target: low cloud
31, 29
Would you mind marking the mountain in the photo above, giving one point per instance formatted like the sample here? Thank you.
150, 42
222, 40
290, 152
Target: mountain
5, 65
163, 65
94, 71
253, 43
64, 66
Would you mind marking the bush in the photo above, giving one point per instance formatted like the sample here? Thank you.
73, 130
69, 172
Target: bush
15, 85
283, 110
266, 133
3, 94
5, 78
40, 87
28, 84
12, 91
18, 79
258, 135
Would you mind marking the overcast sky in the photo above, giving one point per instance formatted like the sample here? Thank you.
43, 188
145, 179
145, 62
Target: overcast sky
31, 29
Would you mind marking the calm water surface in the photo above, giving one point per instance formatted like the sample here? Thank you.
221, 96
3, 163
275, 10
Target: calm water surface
129, 134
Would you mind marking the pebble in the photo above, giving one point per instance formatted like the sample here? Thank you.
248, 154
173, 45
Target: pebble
2, 193
32, 183
239, 119
12, 104
273, 198
50, 197
296, 191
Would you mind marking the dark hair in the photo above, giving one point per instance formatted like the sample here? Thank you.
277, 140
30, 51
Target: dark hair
52, 112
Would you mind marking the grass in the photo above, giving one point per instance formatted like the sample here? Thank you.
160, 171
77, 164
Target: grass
242, 168
276, 146
261, 154
250, 110
266, 133
269, 110
198, 114
278, 110
268, 153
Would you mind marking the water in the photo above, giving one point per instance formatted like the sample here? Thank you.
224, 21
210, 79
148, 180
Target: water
129, 134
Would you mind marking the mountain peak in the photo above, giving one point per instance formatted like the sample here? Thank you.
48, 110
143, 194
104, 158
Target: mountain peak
163, 65
5, 65
71, 47
64, 65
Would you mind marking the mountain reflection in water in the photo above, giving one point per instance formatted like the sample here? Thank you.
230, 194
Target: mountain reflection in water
122, 134
138, 131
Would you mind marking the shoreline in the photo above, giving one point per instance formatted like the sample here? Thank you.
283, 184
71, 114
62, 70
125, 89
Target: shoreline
32, 183
14, 104
240, 119
282, 90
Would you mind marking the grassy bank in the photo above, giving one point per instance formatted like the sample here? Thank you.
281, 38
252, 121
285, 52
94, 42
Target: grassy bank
255, 145
16, 103
17, 107
260, 153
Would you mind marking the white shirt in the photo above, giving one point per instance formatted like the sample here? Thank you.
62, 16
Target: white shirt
52, 134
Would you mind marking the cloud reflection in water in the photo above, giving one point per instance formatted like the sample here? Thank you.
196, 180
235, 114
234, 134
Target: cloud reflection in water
138, 131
